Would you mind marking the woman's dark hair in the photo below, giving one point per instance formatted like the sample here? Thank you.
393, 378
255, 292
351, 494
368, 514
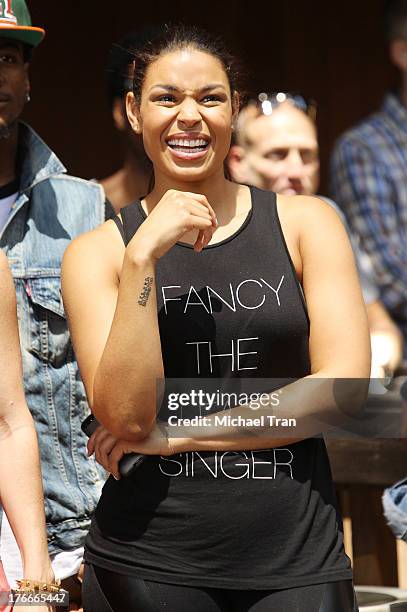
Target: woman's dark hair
174, 38
121, 57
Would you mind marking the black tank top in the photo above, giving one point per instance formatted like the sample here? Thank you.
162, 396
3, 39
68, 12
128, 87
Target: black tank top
263, 519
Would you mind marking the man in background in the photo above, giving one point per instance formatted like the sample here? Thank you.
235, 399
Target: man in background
132, 180
369, 179
277, 149
41, 210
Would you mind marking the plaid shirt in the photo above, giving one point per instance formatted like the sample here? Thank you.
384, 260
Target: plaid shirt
369, 182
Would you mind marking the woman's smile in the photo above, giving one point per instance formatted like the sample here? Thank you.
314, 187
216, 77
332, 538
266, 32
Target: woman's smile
188, 145
186, 115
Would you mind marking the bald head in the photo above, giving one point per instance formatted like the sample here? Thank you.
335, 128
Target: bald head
279, 152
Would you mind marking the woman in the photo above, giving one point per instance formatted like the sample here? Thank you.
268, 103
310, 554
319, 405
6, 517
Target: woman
201, 280
20, 477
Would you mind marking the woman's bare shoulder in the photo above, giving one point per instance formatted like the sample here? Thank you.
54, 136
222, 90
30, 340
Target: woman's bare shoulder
102, 244
304, 211
307, 217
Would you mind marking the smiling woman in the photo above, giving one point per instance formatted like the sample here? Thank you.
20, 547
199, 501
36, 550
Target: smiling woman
174, 288
177, 87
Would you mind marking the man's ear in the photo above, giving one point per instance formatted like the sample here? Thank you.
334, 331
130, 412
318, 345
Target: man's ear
236, 163
133, 113
398, 53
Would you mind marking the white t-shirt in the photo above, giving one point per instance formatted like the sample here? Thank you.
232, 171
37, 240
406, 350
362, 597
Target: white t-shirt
64, 564
8, 195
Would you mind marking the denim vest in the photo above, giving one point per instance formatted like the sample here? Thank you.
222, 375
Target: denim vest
52, 208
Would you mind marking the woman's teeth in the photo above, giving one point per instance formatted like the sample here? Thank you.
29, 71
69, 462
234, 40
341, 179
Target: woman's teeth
199, 143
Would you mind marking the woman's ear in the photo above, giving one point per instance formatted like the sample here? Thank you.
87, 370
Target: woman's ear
133, 113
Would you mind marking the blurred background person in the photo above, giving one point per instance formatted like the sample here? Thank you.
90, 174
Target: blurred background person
276, 148
132, 180
369, 179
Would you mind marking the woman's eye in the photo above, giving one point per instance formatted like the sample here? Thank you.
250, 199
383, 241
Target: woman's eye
211, 98
168, 98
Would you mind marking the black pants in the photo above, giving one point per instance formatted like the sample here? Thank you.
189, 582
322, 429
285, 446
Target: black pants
106, 591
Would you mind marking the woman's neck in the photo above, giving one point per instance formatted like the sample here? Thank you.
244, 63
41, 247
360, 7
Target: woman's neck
220, 193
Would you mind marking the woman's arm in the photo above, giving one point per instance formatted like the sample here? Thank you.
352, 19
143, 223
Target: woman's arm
20, 477
116, 339
109, 295
339, 351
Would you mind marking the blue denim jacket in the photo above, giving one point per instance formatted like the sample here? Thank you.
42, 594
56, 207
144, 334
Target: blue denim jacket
51, 209
395, 508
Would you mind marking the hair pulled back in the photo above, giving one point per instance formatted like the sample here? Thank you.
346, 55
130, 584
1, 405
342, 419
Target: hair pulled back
177, 37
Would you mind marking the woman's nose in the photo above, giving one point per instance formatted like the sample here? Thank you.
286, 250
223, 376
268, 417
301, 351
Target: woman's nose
189, 113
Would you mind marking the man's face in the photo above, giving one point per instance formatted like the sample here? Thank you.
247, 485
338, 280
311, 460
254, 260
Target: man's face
283, 152
14, 84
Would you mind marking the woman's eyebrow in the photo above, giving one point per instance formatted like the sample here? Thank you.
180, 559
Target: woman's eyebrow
212, 86
163, 86
201, 90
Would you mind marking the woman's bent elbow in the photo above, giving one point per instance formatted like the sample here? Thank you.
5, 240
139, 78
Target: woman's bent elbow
124, 424
132, 431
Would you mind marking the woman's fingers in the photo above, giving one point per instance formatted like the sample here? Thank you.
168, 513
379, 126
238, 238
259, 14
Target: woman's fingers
202, 200
96, 438
114, 457
205, 232
203, 239
195, 208
103, 449
198, 246
91, 442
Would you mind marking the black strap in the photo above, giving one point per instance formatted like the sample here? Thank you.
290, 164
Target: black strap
109, 210
131, 221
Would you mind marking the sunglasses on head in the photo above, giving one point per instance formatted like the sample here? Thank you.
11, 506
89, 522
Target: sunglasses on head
268, 102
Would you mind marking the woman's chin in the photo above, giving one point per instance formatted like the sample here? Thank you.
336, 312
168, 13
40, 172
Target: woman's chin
190, 172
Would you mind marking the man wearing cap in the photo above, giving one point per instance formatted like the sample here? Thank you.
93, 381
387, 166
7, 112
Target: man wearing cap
41, 210
132, 180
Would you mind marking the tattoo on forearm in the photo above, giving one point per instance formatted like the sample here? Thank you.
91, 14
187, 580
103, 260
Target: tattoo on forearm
145, 294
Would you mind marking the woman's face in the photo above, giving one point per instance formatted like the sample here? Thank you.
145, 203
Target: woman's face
185, 115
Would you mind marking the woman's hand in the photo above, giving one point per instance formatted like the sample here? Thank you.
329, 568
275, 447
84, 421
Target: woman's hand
177, 213
109, 450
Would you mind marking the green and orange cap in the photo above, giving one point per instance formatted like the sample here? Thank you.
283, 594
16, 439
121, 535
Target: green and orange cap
15, 23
